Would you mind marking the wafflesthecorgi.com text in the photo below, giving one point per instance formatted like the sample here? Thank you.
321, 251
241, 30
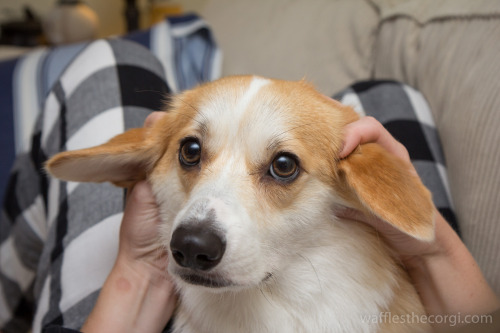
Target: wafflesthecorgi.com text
413, 318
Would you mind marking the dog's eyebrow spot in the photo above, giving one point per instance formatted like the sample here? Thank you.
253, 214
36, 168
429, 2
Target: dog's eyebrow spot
279, 138
203, 128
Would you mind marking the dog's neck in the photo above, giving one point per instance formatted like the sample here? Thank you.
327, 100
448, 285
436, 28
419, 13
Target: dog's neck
335, 291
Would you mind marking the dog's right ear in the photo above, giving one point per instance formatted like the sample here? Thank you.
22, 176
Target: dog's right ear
124, 160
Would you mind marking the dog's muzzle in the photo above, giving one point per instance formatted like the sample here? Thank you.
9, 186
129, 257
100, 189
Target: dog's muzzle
197, 247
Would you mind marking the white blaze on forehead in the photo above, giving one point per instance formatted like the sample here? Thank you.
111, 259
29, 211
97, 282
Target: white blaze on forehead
242, 120
225, 108
256, 84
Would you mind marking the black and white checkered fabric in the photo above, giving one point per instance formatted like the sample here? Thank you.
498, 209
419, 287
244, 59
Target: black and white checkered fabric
58, 240
184, 45
405, 113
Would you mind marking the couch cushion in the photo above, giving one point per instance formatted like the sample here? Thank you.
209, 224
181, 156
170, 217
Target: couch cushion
449, 51
328, 42
424, 11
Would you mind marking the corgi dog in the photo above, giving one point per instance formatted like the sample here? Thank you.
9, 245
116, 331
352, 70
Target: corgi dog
247, 176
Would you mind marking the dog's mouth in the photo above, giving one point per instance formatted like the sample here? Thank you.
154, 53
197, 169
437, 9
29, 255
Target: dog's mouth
213, 282
205, 281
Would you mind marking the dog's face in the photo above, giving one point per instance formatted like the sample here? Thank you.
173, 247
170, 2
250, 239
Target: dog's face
243, 178
242, 168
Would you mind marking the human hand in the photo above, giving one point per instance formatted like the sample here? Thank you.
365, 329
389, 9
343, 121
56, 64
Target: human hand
139, 241
139, 247
366, 130
139, 229
432, 266
369, 130
138, 295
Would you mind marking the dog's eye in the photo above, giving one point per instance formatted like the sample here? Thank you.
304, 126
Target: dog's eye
284, 168
190, 152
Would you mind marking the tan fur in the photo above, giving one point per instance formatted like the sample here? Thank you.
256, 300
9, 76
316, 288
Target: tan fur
271, 116
387, 189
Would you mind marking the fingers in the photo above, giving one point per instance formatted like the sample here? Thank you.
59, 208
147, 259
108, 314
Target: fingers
141, 194
153, 117
141, 204
369, 130
139, 228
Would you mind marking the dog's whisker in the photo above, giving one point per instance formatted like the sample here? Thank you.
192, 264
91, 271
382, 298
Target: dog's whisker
276, 138
203, 125
188, 104
187, 116
296, 127
149, 90
264, 294
314, 269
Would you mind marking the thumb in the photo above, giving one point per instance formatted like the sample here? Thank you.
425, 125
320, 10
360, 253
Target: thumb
140, 203
139, 229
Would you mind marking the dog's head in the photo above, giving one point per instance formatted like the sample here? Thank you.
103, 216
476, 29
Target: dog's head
242, 168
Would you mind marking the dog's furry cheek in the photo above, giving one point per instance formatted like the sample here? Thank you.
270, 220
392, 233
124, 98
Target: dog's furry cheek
311, 207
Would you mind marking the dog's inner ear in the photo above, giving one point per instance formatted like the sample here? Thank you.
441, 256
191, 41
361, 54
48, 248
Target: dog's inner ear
124, 160
381, 184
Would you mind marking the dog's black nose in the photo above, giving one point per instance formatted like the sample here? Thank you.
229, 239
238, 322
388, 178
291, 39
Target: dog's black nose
197, 247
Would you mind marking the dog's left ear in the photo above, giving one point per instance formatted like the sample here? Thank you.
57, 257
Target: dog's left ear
381, 184
123, 161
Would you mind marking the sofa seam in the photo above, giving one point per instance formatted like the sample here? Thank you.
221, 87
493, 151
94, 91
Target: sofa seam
466, 17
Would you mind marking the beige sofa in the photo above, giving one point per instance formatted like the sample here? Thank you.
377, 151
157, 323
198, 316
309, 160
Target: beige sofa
448, 49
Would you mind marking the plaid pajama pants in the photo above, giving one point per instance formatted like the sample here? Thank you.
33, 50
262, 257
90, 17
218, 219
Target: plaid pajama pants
58, 240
